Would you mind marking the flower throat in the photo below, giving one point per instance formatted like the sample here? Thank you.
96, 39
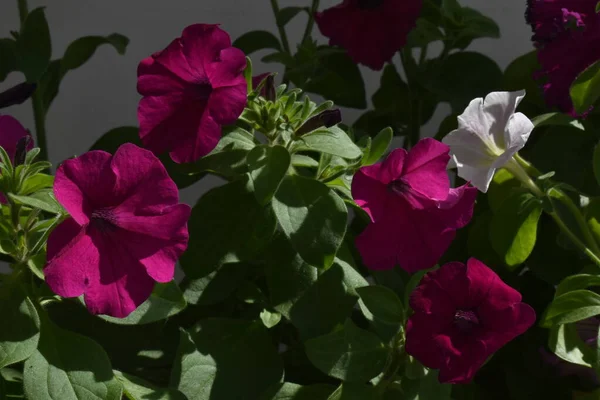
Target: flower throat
369, 4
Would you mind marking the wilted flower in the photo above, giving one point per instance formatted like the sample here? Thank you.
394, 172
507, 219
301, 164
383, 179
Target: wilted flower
126, 229
414, 211
463, 315
371, 31
488, 136
190, 90
567, 34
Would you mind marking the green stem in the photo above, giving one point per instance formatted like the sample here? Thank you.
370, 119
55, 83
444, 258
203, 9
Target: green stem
519, 172
394, 362
23, 10
311, 20
409, 65
575, 239
281, 28
39, 116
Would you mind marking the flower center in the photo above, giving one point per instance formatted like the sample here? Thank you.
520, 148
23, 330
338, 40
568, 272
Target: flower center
465, 320
369, 4
103, 219
399, 186
202, 90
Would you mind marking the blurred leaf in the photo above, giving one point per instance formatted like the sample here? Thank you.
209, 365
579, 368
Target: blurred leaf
350, 354
313, 217
565, 342
557, 118
570, 307
331, 140
227, 225
355, 391
269, 318
585, 90
242, 351
503, 186
82, 49
253, 41
292, 391
379, 146
217, 285
513, 229
424, 33
34, 47
135, 388
382, 304
519, 76
267, 167
8, 55
165, 301
286, 14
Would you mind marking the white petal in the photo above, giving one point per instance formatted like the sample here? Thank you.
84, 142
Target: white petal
469, 148
517, 131
499, 108
474, 119
479, 177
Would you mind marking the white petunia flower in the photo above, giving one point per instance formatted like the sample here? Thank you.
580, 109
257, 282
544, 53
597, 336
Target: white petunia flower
489, 134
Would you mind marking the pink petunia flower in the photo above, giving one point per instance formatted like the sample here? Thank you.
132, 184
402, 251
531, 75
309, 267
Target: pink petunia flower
414, 211
126, 229
191, 89
371, 31
11, 132
567, 33
462, 315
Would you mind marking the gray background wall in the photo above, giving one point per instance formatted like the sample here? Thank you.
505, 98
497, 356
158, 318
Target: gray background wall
101, 95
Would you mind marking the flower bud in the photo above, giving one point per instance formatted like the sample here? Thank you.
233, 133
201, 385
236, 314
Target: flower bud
327, 119
17, 94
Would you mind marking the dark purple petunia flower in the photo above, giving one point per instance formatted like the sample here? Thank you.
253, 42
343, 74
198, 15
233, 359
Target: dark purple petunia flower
191, 89
414, 211
371, 31
463, 315
567, 34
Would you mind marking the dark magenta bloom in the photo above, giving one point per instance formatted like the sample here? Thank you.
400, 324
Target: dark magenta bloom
11, 132
414, 211
126, 231
191, 89
371, 31
463, 315
567, 34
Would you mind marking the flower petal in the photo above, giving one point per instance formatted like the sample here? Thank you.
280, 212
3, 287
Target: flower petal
154, 79
174, 59
462, 368
425, 169
73, 260
370, 194
11, 131
85, 183
228, 70
389, 169
226, 104
457, 210
123, 283
517, 131
202, 44
203, 141
499, 108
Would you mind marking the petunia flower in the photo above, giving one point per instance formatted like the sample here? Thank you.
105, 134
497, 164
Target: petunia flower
126, 229
414, 211
567, 34
11, 133
463, 315
191, 89
371, 31
488, 136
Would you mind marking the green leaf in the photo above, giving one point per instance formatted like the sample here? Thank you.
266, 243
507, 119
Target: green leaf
269, 318
165, 301
596, 163
251, 42
8, 55
431, 389
503, 186
331, 140
313, 217
82, 49
572, 307
565, 342
35, 183
355, 391
576, 282
424, 33
68, 366
135, 388
382, 304
464, 76
11, 384
247, 361
557, 119
288, 13
216, 286
585, 90
513, 229
267, 166
43, 199
350, 354
379, 145
34, 47
474, 25
20, 332
226, 225
292, 391
337, 78
299, 160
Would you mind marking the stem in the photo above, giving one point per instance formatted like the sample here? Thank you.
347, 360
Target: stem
39, 116
527, 166
414, 132
423, 55
394, 362
517, 170
575, 239
281, 28
311, 20
23, 10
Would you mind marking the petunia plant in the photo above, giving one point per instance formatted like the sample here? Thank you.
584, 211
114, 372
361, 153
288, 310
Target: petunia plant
375, 259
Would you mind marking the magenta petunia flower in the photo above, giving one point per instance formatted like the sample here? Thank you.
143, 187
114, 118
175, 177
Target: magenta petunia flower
414, 211
11, 132
371, 31
567, 34
462, 315
126, 229
191, 89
